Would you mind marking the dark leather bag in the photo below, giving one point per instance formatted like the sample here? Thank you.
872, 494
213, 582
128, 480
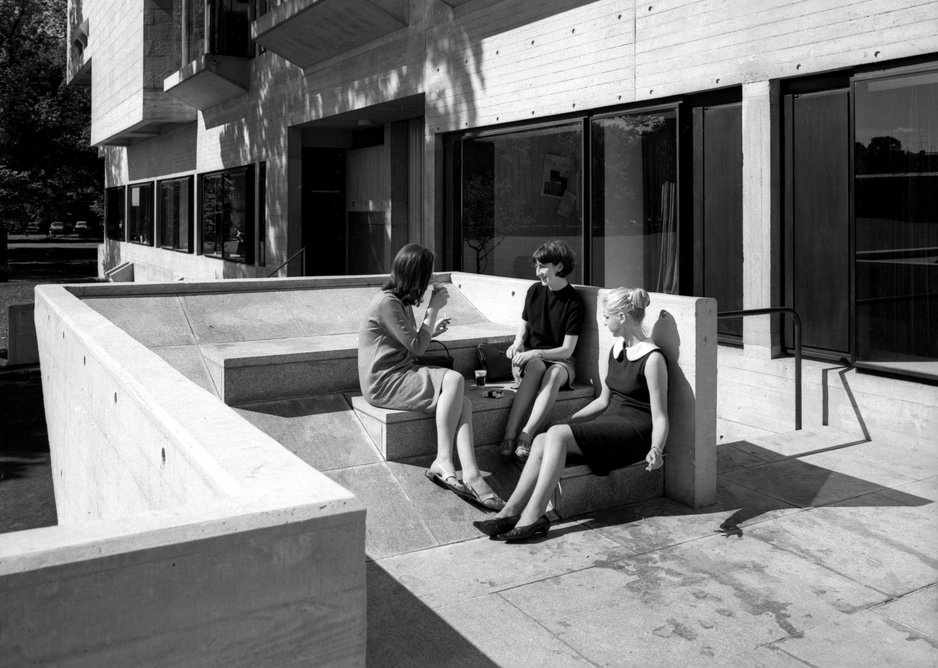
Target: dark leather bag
492, 359
443, 359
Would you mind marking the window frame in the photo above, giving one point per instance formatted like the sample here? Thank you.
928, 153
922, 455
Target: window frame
108, 223
161, 215
248, 172
148, 186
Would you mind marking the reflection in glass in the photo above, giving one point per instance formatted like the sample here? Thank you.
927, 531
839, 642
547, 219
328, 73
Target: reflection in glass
114, 213
140, 214
896, 205
634, 201
227, 214
176, 214
519, 190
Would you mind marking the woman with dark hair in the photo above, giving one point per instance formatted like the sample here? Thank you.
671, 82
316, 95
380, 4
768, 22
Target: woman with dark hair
388, 341
625, 424
542, 352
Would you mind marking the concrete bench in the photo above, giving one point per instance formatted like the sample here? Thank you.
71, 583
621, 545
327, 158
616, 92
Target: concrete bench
399, 434
269, 369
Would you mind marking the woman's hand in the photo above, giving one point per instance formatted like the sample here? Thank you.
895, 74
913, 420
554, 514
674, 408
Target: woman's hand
439, 297
655, 459
514, 349
441, 327
521, 358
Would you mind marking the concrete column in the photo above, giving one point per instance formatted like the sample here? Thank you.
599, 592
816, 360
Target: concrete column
761, 213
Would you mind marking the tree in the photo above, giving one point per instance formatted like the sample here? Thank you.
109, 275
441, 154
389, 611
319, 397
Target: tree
46, 161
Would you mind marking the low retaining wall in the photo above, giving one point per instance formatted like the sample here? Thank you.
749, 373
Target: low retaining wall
186, 535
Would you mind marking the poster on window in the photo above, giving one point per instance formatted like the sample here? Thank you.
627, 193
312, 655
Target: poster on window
556, 173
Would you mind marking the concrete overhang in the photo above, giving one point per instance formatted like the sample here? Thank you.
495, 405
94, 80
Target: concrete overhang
209, 80
307, 32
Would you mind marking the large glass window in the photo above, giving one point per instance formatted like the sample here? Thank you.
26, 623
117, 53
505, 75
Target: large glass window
262, 214
175, 214
114, 212
634, 206
140, 213
896, 217
227, 214
520, 189
217, 27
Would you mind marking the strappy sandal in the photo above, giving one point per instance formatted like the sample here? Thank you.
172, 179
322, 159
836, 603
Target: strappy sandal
523, 451
451, 482
489, 500
507, 448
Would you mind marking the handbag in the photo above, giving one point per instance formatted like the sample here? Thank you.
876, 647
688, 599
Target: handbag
443, 359
492, 359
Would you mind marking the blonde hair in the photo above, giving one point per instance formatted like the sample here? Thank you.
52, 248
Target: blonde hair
631, 301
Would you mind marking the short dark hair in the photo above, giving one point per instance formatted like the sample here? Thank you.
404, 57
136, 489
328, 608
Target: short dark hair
555, 252
410, 273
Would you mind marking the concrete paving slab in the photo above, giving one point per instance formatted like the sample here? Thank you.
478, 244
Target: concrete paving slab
403, 631
391, 524
187, 360
239, 316
872, 540
790, 444
862, 639
767, 656
731, 456
327, 310
661, 523
448, 517
912, 493
917, 610
463, 571
153, 320
869, 462
322, 430
801, 483
698, 603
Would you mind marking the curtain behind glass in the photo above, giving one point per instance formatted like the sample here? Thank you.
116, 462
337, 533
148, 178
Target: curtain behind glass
896, 209
519, 190
634, 201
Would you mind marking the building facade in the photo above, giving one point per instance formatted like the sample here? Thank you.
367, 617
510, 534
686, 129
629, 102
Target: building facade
771, 153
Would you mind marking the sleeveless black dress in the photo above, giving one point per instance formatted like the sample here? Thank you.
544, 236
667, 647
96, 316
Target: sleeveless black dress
621, 434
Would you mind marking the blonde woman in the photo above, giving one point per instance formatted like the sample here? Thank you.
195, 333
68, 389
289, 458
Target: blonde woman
625, 424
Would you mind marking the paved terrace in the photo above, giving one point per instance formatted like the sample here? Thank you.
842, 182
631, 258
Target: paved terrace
819, 551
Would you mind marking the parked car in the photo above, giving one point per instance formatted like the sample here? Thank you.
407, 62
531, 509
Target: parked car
82, 228
57, 228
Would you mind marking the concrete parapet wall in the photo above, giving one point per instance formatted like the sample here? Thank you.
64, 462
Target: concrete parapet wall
186, 536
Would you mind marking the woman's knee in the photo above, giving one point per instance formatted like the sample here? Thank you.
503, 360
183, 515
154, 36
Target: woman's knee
453, 382
554, 377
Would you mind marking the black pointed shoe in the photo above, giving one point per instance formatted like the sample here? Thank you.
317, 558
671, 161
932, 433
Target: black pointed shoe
497, 525
521, 534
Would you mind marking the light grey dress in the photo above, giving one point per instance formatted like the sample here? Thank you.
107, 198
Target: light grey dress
388, 340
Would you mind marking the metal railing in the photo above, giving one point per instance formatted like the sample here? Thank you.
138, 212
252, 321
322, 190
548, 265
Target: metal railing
289, 260
796, 320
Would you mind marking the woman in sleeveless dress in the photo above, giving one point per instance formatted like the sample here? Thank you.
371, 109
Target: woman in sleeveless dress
626, 424
388, 341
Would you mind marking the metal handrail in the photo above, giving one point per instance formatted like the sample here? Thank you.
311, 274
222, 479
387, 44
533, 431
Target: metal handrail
290, 259
796, 320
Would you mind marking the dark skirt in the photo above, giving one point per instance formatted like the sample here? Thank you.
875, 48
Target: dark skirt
615, 439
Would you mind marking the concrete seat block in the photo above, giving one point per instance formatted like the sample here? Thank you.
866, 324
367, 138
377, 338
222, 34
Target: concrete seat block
269, 369
579, 492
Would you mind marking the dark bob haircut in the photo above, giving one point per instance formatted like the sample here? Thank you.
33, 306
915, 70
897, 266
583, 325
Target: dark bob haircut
555, 252
410, 274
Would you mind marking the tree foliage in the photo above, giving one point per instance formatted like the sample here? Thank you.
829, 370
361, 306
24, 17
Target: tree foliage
46, 162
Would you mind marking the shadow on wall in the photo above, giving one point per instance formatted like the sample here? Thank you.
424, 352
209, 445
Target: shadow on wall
680, 393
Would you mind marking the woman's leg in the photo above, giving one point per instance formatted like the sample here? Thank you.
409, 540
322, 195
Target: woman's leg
557, 442
552, 380
527, 480
524, 397
449, 409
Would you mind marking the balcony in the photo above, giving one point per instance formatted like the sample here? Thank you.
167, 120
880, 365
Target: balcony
307, 32
216, 53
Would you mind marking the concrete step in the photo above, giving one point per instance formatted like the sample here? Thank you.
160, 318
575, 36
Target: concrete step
400, 434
